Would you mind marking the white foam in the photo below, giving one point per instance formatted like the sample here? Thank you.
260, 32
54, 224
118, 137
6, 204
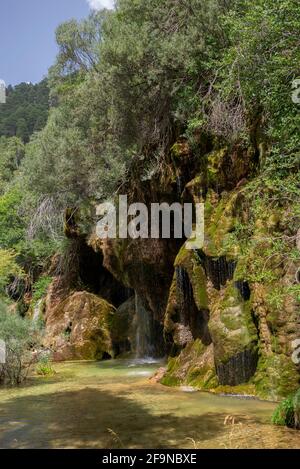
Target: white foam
143, 361
187, 389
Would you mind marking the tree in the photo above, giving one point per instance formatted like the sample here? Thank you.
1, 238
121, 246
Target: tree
26, 105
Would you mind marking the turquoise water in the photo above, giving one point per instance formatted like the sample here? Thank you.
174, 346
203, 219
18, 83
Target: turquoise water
113, 404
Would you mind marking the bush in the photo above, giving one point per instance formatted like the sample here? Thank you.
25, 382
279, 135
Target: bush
288, 412
40, 288
8, 267
21, 338
44, 366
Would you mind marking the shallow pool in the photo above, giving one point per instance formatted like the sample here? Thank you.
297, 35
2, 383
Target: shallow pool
113, 405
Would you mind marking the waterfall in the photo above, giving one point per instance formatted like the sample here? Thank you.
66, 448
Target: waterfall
185, 291
37, 311
218, 270
179, 186
239, 368
195, 321
144, 330
244, 289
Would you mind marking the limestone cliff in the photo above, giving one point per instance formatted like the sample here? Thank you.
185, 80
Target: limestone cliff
226, 314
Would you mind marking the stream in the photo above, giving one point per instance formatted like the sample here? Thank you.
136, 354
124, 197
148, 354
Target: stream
112, 404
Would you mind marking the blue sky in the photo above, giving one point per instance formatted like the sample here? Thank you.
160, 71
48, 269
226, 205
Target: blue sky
27, 34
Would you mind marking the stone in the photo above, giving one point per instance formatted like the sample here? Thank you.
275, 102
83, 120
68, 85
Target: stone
158, 375
78, 328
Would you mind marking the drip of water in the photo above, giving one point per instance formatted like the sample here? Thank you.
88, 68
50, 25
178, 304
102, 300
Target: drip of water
193, 321
179, 186
218, 270
185, 291
144, 335
239, 368
244, 289
37, 311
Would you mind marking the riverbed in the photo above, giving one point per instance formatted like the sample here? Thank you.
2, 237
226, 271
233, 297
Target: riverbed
113, 404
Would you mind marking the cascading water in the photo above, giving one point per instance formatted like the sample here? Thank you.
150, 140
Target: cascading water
37, 311
244, 289
239, 369
190, 317
185, 291
179, 186
217, 270
144, 331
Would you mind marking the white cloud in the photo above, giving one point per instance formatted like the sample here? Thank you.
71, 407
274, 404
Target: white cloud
99, 4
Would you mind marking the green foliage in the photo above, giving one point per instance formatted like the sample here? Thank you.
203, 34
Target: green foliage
258, 69
14, 220
12, 224
123, 80
8, 267
40, 288
285, 413
44, 366
127, 81
25, 111
12, 151
21, 336
126, 84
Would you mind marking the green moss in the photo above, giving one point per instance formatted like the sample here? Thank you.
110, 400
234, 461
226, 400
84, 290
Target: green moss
220, 221
176, 150
231, 325
194, 367
187, 259
170, 378
276, 377
170, 381
214, 164
201, 380
247, 389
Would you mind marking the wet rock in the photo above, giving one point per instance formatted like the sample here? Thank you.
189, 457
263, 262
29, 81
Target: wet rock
187, 315
238, 369
123, 328
194, 366
158, 376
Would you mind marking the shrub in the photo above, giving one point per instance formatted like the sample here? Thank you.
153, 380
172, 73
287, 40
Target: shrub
44, 366
288, 412
8, 267
21, 338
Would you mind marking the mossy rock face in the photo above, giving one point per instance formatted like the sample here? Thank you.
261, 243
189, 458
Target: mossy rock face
228, 166
188, 260
187, 310
221, 217
234, 336
78, 328
194, 367
276, 377
145, 266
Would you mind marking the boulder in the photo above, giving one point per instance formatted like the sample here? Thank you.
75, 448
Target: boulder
78, 328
